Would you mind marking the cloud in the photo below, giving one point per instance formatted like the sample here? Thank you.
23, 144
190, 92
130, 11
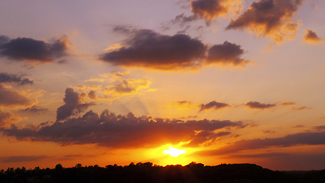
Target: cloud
287, 103
114, 85
119, 131
311, 37
148, 49
73, 104
14, 159
183, 19
11, 98
34, 110
213, 105
127, 86
92, 95
206, 136
285, 161
301, 108
225, 54
306, 138
31, 50
211, 9
319, 128
183, 105
271, 18
258, 105
12, 78
7, 118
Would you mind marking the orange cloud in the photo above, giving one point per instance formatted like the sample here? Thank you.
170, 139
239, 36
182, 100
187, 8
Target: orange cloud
7, 118
311, 37
114, 85
183, 105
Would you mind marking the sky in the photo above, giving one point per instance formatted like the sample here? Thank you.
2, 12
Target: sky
121, 81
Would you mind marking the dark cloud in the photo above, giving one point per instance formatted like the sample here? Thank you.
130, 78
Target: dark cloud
73, 104
148, 49
307, 138
125, 29
213, 105
211, 9
271, 18
129, 131
12, 78
319, 128
311, 37
226, 53
14, 159
285, 103
92, 95
285, 161
260, 155
11, 98
268, 131
182, 19
257, 105
32, 50
34, 110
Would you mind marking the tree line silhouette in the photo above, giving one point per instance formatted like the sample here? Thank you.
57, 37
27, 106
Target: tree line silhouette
149, 173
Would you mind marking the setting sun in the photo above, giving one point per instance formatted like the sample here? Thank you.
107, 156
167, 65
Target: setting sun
174, 152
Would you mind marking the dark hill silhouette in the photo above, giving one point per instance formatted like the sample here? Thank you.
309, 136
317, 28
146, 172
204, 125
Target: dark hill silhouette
149, 173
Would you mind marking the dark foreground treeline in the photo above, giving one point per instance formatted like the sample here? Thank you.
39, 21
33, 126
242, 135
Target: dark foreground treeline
149, 173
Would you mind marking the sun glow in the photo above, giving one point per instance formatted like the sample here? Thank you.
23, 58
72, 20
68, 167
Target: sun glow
174, 152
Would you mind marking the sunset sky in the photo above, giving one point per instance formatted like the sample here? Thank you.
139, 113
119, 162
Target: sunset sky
120, 81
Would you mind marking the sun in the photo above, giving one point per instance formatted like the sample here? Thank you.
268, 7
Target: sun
174, 152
